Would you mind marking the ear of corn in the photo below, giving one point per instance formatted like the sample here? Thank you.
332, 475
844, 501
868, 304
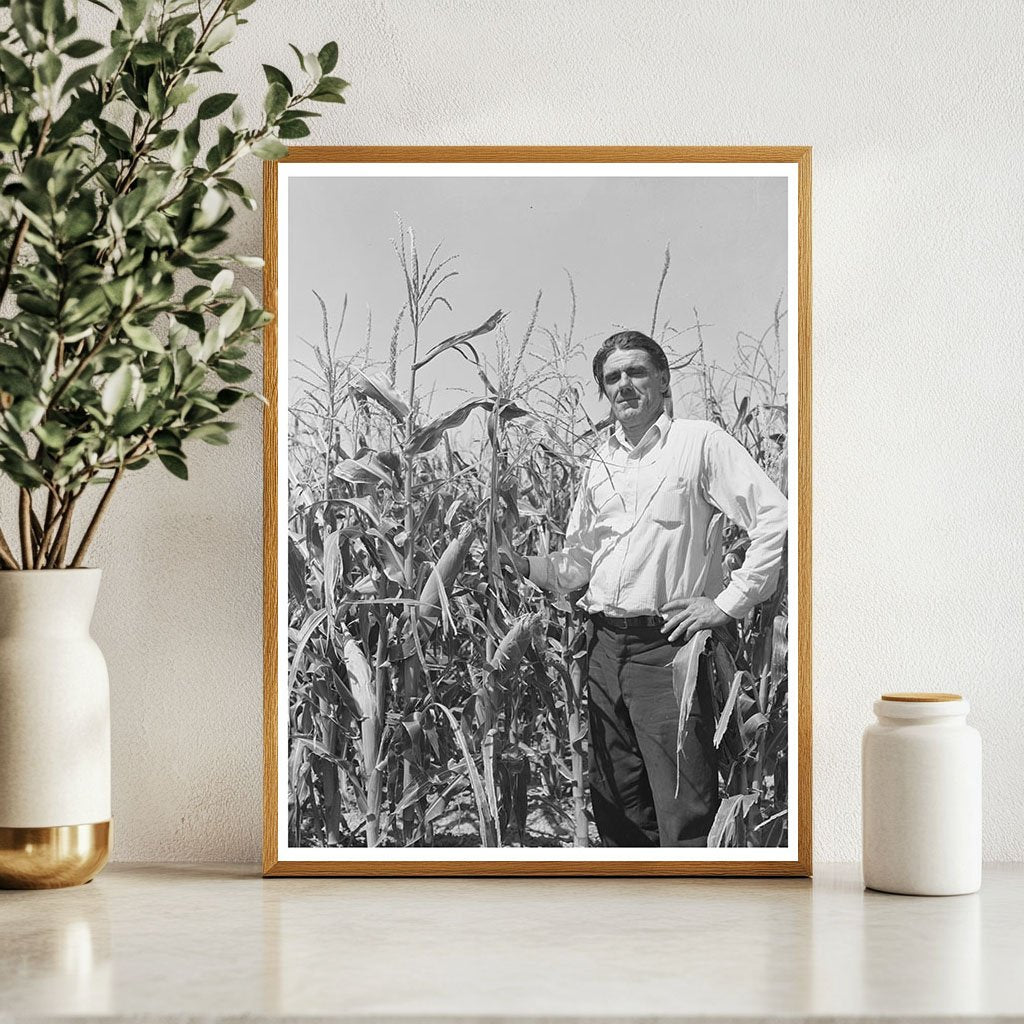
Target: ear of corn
515, 643
361, 683
442, 577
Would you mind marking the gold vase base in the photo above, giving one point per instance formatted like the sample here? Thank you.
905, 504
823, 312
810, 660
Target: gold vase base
54, 857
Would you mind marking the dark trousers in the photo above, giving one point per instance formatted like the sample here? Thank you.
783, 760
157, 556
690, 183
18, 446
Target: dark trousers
634, 718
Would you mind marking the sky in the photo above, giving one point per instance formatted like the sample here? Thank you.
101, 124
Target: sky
515, 236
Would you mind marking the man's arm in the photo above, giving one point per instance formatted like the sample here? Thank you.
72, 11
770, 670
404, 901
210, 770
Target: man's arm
734, 483
569, 569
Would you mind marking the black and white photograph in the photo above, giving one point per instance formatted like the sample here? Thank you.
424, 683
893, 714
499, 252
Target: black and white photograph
537, 521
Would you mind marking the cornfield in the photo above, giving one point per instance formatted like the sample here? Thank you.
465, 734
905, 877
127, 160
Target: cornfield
435, 699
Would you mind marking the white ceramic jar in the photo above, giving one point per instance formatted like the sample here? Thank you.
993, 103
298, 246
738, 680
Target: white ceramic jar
921, 777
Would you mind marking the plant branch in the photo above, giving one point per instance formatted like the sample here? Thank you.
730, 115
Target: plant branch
51, 527
56, 556
25, 523
6, 554
94, 523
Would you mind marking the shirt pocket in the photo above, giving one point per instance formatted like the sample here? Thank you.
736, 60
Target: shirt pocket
671, 504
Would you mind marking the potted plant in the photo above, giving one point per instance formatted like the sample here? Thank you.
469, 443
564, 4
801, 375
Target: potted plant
122, 339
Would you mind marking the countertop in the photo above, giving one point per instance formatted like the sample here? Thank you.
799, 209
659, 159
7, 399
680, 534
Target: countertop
176, 942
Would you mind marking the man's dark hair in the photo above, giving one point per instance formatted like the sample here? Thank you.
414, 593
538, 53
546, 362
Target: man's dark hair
628, 340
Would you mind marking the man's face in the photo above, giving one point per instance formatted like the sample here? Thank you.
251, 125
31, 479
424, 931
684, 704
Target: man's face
635, 387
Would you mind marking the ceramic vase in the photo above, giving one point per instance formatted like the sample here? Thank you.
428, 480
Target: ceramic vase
54, 731
922, 796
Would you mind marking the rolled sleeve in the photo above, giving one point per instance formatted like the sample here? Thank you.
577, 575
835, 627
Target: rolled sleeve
569, 569
736, 484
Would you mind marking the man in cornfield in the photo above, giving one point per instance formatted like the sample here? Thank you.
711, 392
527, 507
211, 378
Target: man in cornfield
645, 538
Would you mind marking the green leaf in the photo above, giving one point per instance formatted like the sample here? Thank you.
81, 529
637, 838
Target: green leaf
181, 93
109, 65
276, 99
26, 413
184, 44
162, 139
65, 28
293, 130
49, 68
328, 57
52, 435
255, 262
193, 379
116, 390
83, 48
222, 281
211, 433
232, 319
175, 464
26, 22
144, 338
232, 373
77, 79
35, 304
53, 14
149, 53
128, 421
326, 96
221, 35
269, 149
16, 70
227, 397
133, 12
216, 104
275, 76
21, 471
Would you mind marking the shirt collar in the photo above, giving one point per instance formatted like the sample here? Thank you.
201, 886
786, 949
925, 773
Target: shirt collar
657, 432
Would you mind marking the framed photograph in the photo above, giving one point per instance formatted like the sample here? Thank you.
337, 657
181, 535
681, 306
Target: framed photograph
538, 511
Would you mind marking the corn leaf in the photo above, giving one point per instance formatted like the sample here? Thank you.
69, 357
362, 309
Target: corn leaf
485, 328
427, 438
485, 824
363, 471
374, 386
305, 632
684, 684
723, 720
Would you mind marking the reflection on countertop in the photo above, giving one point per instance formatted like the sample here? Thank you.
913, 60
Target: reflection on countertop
179, 941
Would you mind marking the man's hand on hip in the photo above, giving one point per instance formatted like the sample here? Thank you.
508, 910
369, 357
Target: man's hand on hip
688, 615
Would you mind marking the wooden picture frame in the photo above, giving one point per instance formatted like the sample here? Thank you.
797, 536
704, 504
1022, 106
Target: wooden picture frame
683, 165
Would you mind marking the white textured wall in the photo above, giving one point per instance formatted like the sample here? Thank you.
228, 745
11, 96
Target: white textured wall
914, 113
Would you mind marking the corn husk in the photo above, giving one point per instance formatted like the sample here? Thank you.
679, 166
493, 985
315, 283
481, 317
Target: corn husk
363, 686
516, 643
360, 678
448, 567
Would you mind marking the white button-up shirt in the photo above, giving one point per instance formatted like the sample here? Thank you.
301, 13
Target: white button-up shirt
646, 527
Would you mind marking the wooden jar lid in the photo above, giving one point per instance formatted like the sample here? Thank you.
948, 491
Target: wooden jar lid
921, 698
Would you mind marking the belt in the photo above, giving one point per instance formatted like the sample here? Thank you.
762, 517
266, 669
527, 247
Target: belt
629, 622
